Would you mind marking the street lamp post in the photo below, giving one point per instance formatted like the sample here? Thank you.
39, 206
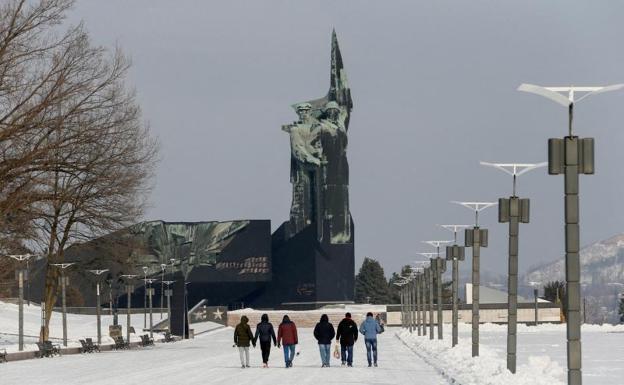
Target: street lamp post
418, 305
401, 292
515, 211
417, 298
408, 303
163, 267
476, 238
129, 289
412, 303
98, 311
150, 295
64, 281
571, 156
22, 274
168, 293
27, 278
423, 299
455, 254
429, 277
440, 267
145, 270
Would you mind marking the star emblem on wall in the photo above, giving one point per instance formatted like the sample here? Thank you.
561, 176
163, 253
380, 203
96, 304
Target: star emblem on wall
217, 314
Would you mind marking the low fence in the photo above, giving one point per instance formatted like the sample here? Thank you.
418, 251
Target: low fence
106, 310
488, 313
305, 318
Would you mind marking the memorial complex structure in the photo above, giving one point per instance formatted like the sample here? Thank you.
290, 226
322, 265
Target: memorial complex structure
307, 262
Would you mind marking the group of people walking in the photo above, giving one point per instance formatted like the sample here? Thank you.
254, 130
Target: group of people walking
346, 334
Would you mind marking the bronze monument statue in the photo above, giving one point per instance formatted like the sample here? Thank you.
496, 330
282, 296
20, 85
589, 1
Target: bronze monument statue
319, 168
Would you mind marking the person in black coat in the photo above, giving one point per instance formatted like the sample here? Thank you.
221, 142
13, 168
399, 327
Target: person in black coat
347, 334
324, 334
265, 333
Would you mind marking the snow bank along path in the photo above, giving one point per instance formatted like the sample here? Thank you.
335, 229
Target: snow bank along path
211, 359
541, 355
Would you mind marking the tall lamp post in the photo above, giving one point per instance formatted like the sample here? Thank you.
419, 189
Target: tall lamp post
145, 270
571, 156
408, 304
476, 238
411, 298
417, 277
429, 272
440, 267
168, 293
27, 278
22, 274
98, 310
129, 289
423, 298
64, 281
150, 295
163, 267
455, 253
513, 210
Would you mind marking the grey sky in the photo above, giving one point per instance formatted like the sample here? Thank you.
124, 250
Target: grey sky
433, 85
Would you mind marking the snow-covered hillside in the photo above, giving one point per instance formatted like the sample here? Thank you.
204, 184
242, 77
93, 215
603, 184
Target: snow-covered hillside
602, 277
601, 262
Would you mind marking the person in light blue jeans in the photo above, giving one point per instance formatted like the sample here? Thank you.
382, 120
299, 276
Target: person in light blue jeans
324, 333
370, 328
287, 335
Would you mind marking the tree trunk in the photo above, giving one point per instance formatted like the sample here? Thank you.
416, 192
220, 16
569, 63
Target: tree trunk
49, 297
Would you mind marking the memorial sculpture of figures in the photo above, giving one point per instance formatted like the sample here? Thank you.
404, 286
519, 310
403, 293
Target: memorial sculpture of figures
319, 170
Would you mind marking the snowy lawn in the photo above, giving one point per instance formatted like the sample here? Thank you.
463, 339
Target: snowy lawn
541, 355
79, 327
211, 359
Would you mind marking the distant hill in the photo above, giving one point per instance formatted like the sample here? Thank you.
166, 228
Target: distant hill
602, 264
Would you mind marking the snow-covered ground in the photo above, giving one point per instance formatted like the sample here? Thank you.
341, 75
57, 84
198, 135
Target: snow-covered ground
211, 359
541, 355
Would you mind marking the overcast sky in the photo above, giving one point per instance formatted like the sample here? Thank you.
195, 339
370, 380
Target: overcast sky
434, 89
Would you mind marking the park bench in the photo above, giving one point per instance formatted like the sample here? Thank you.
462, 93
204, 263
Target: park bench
169, 337
47, 349
83, 347
3, 355
120, 343
87, 346
93, 347
146, 340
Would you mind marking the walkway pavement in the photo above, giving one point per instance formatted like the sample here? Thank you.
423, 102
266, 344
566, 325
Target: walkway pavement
211, 359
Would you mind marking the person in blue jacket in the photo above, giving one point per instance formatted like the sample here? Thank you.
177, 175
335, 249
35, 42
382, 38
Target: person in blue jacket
370, 328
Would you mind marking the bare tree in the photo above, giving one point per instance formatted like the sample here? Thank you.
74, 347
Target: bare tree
76, 159
29, 80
